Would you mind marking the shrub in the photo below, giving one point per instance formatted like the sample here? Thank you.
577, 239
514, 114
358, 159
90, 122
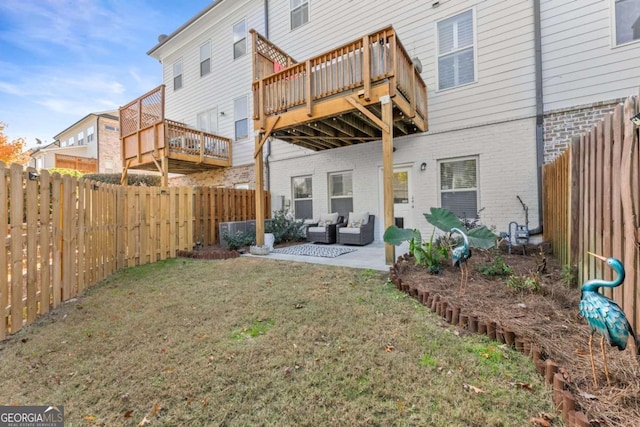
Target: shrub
65, 171
285, 228
140, 180
239, 239
529, 283
569, 275
497, 267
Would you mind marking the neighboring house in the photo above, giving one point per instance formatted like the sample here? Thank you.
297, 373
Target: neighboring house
508, 82
92, 144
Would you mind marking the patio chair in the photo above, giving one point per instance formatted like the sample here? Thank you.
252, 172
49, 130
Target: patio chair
324, 230
358, 231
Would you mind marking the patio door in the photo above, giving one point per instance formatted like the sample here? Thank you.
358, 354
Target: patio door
402, 198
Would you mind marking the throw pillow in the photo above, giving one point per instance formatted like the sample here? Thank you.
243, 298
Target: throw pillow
355, 224
363, 217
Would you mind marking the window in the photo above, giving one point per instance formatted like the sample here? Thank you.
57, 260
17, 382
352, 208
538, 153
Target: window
299, 13
80, 138
626, 21
90, 132
239, 39
205, 59
456, 54
208, 121
302, 197
108, 166
341, 193
177, 74
109, 127
242, 186
459, 187
241, 117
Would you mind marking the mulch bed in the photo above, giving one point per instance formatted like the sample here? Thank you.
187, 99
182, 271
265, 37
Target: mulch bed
548, 319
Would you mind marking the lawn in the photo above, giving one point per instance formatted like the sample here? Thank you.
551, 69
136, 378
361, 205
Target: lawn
260, 342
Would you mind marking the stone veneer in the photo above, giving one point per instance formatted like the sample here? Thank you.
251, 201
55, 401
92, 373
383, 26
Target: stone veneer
561, 125
223, 177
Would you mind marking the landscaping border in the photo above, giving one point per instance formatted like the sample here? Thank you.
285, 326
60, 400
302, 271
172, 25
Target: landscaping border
562, 398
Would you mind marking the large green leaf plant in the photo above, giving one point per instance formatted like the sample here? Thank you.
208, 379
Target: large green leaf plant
429, 253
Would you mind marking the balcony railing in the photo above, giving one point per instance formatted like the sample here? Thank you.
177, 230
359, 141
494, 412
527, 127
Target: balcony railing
281, 84
147, 136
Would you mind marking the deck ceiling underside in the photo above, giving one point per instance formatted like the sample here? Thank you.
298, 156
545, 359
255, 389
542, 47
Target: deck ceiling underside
183, 167
342, 130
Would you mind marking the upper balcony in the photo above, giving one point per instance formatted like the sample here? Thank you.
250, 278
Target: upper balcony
151, 142
334, 99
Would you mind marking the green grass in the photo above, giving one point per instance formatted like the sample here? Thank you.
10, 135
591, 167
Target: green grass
259, 342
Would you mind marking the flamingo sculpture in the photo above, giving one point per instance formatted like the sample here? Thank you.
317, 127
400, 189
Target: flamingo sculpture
605, 316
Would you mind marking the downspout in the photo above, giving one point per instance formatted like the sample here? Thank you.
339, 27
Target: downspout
537, 35
266, 160
98, 143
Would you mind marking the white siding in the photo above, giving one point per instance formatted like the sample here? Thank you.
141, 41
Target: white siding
505, 88
580, 64
228, 79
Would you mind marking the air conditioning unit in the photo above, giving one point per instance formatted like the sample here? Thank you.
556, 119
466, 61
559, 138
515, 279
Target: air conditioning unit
230, 228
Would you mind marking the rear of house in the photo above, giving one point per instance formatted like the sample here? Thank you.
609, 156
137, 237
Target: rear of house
489, 108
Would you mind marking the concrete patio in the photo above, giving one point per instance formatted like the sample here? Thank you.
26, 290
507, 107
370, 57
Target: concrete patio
370, 256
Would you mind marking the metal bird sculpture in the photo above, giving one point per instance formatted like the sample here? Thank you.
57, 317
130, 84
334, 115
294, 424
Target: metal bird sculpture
459, 256
605, 316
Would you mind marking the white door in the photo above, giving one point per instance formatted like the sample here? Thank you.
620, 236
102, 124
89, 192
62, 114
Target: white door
402, 198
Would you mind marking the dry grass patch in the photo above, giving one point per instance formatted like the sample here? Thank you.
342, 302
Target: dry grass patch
259, 342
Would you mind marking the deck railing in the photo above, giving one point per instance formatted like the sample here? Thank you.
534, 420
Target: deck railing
360, 64
144, 130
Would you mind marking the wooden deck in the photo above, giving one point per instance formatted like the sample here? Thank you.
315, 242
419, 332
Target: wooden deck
363, 91
151, 142
332, 100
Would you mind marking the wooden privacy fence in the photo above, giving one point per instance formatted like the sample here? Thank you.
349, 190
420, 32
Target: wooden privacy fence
64, 234
591, 200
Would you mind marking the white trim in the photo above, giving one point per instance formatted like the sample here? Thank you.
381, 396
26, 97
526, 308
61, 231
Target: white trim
439, 162
233, 44
475, 50
612, 28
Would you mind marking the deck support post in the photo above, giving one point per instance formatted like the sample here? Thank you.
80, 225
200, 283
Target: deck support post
387, 172
259, 190
164, 163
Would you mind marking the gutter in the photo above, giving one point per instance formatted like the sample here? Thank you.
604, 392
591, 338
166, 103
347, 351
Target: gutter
537, 35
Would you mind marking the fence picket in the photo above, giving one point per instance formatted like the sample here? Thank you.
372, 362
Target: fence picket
605, 189
4, 259
64, 234
16, 218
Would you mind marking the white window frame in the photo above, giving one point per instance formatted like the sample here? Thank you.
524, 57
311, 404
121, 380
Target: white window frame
614, 27
207, 120
240, 38
301, 199
80, 138
295, 6
474, 47
90, 134
177, 75
239, 116
205, 49
454, 190
332, 197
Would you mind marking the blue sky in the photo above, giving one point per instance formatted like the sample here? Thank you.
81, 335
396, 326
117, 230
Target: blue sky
63, 59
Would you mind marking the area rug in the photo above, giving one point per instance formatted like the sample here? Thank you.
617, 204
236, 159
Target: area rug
313, 250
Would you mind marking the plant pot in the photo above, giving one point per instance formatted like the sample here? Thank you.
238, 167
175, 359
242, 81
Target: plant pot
259, 250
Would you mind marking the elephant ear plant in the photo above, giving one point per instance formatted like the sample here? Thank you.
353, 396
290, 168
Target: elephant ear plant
431, 254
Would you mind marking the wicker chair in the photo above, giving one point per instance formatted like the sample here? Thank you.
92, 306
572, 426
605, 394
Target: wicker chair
357, 236
325, 233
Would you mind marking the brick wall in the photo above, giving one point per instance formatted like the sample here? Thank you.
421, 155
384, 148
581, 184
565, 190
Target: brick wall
561, 125
109, 146
224, 177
